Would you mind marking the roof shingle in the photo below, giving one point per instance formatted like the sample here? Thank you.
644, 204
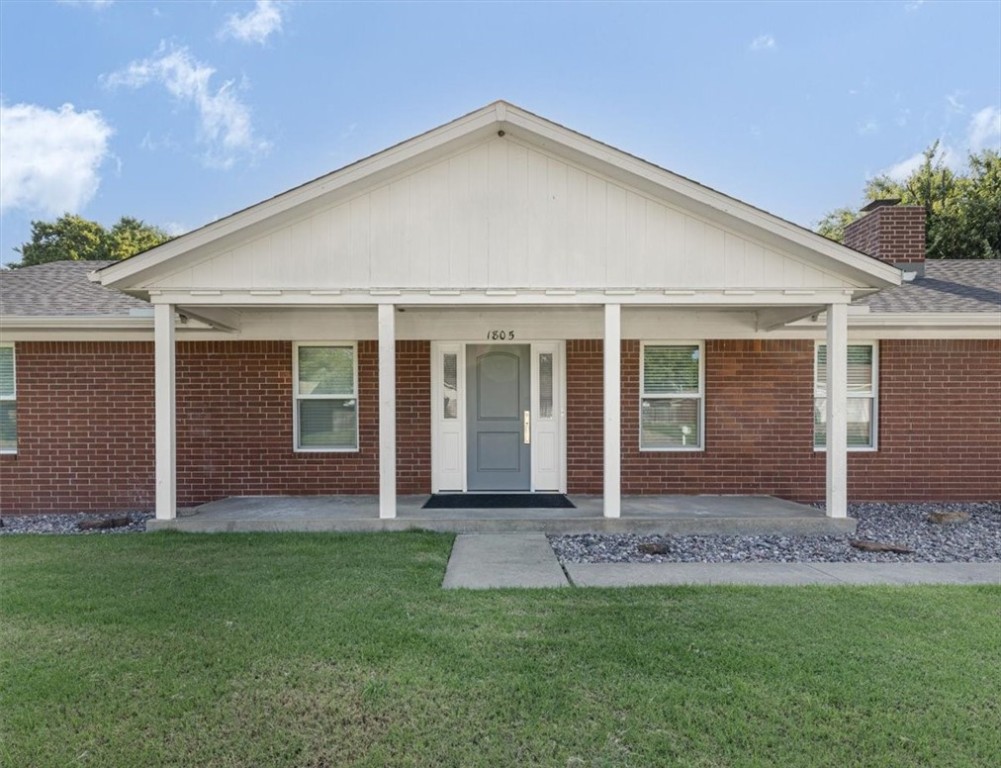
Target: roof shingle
947, 286
61, 289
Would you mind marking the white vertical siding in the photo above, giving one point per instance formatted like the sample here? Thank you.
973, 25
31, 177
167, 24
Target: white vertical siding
500, 215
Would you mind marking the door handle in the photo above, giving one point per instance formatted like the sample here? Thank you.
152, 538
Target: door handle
526, 427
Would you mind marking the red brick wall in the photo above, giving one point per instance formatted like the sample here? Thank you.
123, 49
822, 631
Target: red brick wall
940, 424
85, 426
895, 234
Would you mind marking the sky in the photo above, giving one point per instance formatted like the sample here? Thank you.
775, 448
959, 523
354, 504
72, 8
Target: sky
179, 113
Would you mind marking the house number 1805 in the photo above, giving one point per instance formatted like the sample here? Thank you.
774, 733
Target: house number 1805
500, 335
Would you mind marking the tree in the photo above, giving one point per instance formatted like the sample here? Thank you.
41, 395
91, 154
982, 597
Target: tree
74, 238
963, 209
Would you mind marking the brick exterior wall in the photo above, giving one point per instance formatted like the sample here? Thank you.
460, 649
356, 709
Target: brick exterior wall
86, 426
895, 234
86, 442
939, 424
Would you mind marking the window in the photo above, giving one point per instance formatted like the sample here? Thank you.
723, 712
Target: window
671, 397
861, 397
326, 403
8, 401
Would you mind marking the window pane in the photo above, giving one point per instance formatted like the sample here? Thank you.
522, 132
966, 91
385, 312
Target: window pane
859, 422
328, 424
6, 371
8, 426
326, 371
860, 368
860, 376
671, 370
450, 378
667, 423
545, 385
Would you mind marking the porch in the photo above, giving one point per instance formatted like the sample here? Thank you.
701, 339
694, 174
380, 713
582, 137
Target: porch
679, 515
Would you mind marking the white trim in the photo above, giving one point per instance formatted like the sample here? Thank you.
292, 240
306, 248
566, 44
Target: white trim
837, 411
166, 409
612, 354
701, 396
874, 397
557, 425
438, 480
296, 397
11, 398
387, 411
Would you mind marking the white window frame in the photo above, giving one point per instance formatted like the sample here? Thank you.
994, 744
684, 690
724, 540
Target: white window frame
701, 396
296, 397
873, 396
11, 398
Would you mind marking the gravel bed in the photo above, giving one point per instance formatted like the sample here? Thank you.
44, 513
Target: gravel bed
40, 524
976, 540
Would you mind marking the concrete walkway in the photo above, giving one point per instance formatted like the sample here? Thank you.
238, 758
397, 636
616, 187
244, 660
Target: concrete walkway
488, 561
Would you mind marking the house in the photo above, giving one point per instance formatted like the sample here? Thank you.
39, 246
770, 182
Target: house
502, 303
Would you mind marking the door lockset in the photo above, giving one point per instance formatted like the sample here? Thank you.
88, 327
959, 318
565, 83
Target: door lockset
526, 427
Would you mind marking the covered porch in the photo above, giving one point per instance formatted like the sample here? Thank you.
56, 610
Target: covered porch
678, 515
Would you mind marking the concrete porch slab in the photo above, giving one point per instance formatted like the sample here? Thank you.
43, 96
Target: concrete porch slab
679, 515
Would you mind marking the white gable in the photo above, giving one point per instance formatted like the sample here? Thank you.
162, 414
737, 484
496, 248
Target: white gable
500, 200
500, 215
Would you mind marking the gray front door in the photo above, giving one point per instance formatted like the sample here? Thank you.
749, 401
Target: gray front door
498, 457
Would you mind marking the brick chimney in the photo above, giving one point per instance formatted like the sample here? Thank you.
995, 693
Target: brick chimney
892, 233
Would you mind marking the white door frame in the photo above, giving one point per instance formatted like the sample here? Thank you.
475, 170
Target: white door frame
448, 435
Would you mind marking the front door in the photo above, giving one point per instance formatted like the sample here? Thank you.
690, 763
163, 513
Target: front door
498, 403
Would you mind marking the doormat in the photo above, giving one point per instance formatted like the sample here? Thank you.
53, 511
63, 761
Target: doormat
498, 501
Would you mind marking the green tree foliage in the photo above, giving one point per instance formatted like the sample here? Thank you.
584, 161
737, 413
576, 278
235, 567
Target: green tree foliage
964, 209
75, 238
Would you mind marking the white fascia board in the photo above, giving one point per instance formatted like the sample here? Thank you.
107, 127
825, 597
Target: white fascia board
708, 298
923, 320
85, 323
123, 274
882, 274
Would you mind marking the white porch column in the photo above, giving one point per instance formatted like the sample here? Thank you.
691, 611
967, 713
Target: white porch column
166, 440
837, 410
387, 410
613, 416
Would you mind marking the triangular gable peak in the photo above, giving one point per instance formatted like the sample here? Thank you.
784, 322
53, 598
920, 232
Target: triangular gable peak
500, 200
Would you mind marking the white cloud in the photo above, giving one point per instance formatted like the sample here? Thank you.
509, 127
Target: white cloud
255, 26
224, 125
985, 130
955, 103
762, 43
97, 5
913, 5
49, 158
867, 127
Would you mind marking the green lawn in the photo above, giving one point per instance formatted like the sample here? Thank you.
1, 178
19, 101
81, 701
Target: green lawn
341, 650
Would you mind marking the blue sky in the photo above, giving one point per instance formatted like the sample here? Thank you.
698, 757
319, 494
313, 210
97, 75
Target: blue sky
181, 112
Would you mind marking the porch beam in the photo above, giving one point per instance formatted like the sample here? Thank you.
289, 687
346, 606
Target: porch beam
613, 417
837, 410
165, 409
387, 411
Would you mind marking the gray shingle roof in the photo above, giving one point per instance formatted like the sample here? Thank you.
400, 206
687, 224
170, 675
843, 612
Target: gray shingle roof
61, 289
947, 286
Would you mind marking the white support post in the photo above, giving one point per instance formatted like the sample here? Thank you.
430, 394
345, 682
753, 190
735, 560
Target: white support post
166, 439
387, 410
837, 410
613, 416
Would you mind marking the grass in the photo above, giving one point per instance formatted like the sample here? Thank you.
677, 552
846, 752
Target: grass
341, 650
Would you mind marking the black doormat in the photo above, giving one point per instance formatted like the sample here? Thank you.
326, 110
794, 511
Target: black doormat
498, 501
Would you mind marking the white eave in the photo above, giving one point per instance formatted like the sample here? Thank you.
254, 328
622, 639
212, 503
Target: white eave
868, 273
